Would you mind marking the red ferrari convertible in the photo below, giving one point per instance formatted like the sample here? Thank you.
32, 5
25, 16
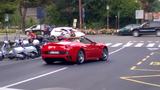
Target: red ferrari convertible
75, 50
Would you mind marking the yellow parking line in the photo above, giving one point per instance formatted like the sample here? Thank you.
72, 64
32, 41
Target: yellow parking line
141, 82
147, 70
143, 76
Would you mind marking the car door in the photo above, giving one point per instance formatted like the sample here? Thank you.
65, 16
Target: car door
147, 28
90, 48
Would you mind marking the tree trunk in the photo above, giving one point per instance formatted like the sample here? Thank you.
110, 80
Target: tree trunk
24, 19
23, 11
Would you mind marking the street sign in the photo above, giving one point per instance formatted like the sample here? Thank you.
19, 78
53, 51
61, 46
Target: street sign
6, 17
74, 23
139, 14
40, 13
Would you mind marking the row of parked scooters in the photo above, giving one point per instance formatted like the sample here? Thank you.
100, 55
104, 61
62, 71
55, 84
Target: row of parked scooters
20, 49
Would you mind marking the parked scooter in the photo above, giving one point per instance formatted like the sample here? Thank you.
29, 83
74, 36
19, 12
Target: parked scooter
21, 49
37, 45
29, 49
17, 51
4, 49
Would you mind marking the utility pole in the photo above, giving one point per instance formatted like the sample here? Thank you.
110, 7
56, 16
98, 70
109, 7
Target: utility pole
80, 14
107, 8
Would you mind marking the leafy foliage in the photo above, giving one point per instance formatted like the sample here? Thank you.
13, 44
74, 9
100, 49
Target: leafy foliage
62, 12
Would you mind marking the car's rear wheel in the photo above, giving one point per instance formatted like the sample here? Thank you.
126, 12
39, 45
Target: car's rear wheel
105, 54
136, 33
158, 33
80, 57
48, 61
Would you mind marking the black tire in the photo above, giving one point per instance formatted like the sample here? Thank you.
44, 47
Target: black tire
104, 54
136, 33
48, 61
1, 58
24, 56
158, 33
80, 57
34, 55
10, 56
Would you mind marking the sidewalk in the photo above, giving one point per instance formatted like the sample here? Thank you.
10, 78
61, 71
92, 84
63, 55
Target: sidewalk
11, 37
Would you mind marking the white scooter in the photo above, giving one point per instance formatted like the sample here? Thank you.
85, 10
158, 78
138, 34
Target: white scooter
17, 51
30, 50
4, 50
22, 49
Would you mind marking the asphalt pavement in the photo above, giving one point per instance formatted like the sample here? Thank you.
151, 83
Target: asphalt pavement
133, 65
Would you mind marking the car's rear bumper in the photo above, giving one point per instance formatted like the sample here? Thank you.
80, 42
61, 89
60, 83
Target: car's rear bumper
63, 57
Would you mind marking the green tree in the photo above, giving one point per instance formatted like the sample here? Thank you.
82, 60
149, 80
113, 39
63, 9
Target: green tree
6, 7
25, 4
53, 16
147, 5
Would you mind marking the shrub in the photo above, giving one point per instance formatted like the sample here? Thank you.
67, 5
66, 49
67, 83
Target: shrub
8, 31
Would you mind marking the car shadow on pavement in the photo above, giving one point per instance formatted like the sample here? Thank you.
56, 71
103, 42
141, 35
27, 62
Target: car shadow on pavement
63, 63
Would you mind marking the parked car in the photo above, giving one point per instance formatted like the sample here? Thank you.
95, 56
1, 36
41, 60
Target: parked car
39, 29
127, 30
66, 32
147, 28
75, 50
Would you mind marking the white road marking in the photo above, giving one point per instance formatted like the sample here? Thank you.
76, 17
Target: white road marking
151, 63
144, 59
139, 63
117, 44
152, 49
30, 79
9, 89
139, 45
132, 68
131, 43
147, 57
128, 44
108, 44
150, 45
116, 50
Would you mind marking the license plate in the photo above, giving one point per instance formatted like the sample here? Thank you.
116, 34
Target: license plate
53, 52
